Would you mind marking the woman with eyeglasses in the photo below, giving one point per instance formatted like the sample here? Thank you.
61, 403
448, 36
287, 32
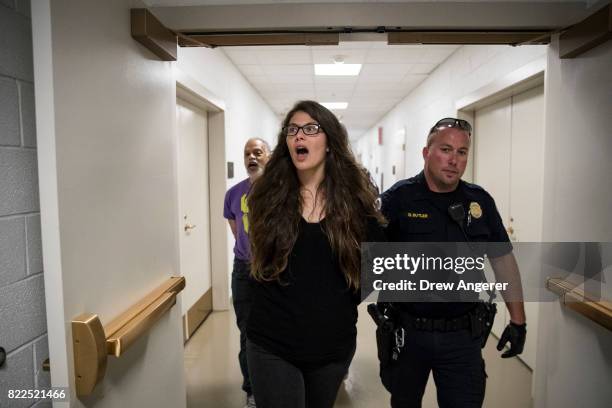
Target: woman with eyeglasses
308, 214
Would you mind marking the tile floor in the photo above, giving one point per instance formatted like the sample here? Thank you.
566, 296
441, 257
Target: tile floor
214, 379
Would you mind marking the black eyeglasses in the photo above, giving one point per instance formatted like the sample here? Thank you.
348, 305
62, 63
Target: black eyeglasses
451, 123
310, 129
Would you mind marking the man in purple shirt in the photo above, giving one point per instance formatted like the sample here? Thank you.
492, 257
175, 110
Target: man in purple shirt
256, 155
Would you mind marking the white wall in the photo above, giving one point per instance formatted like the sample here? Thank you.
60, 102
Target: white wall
105, 124
576, 352
246, 113
465, 71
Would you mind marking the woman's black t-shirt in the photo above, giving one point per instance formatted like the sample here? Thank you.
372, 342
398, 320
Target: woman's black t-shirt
309, 317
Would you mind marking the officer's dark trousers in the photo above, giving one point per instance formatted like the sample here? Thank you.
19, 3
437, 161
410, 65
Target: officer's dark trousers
242, 290
456, 361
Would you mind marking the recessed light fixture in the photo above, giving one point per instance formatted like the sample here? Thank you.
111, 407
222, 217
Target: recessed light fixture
335, 105
337, 69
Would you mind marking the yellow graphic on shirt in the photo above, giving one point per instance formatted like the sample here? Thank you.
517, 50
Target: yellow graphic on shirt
417, 215
245, 212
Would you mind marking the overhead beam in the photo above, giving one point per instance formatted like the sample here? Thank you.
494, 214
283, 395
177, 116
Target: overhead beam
470, 37
150, 32
259, 39
415, 16
589, 33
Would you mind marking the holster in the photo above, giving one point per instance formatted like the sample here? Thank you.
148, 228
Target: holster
385, 323
481, 321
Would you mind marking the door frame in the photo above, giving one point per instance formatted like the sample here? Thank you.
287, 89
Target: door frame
189, 89
524, 78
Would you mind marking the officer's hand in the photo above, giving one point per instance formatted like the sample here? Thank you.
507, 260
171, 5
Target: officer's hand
515, 334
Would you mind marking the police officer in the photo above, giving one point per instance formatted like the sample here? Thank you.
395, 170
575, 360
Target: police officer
439, 337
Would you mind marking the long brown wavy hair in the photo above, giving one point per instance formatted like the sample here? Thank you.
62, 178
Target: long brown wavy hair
275, 206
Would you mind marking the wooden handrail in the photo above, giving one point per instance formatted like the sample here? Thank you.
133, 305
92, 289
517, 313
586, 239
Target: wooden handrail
93, 343
599, 311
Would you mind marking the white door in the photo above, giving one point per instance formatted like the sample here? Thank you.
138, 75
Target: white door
526, 189
194, 222
107, 178
492, 145
398, 157
509, 143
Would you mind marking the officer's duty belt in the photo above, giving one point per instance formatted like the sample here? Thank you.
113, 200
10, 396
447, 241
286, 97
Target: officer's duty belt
442, 324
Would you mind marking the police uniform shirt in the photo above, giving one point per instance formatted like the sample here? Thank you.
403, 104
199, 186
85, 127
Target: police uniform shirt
417, 214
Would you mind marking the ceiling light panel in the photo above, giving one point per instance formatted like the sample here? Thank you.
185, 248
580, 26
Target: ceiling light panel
337, 69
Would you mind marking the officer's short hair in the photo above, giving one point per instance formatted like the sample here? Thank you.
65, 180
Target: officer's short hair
431, 136
452, 123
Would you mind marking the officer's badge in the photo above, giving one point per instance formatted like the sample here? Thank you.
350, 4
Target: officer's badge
475, 210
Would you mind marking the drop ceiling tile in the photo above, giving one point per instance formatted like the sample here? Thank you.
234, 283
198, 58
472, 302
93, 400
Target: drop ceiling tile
363, 104
376, 77
386, 95
294, 87
290, 79
339, 88
333, 95
340, 81
376, 86
302, 96
422, 68
386, 69
288, 70
437, 55
287, 57
387, 56
353, 113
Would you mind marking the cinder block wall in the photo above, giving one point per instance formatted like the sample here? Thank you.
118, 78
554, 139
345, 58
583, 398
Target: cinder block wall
23, 324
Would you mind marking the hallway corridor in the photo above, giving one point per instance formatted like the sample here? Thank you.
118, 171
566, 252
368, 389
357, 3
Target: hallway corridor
213, 376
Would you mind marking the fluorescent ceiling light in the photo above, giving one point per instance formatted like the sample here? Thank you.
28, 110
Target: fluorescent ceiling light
335, 105
337, 69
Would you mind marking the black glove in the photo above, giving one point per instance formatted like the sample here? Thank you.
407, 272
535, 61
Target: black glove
515, 334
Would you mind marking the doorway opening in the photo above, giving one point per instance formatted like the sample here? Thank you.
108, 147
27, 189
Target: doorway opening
200, 130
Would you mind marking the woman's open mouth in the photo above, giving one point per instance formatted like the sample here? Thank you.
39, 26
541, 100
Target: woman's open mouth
301, 153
